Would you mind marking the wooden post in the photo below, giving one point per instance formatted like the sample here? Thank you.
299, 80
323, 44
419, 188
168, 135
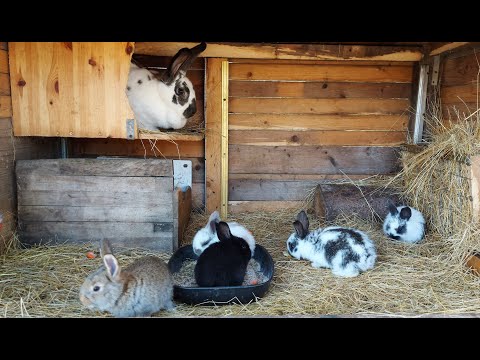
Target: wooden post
213, 137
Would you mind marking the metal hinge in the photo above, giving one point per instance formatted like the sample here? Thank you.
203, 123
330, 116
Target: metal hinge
436, 68
131, 129
182, 173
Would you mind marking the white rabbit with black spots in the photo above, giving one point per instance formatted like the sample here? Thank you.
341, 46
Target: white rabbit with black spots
163, 100
404, 223
346, 251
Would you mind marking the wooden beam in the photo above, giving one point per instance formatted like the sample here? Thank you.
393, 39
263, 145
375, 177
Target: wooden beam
5, 107
288, 51
4, 84
213, 130
439, 48
171, 136
137, 148
184, 200
4, 61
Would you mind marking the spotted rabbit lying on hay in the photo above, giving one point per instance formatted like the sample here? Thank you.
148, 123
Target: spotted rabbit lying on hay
163, 100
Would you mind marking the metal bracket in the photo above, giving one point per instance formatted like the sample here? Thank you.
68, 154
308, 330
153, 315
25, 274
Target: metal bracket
131, 129
182, 173
421, 102
435, 71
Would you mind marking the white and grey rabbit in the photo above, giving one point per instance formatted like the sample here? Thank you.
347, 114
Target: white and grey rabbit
346, 251
404, 223
140, 289
164, 100
207, 235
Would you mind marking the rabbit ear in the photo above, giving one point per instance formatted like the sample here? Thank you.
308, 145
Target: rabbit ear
303, 219
105, 247
300, 230
213, 220
405, 213
182, 61
214, 216
391, 207
223, 231
111, 263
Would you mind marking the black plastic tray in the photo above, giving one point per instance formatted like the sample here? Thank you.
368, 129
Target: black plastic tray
220, 295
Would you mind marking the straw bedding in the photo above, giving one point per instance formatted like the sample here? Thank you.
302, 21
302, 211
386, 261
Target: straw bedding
407, 279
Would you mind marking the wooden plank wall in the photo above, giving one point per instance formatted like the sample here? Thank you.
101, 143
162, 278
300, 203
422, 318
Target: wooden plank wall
186, 150
11, 149
128, 201
460, 83
293, 124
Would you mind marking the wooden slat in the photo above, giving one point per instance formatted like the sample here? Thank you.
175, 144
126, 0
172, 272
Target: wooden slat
461, 70
271, 190
4, 61
184, 200
27, 182
140, 148
126, 213
169, 136
318, 106
303, 122
113, 198
152, 61
289, 177
348, 73
442, 47
96, 167
213, 129
50, 96
454, 94
119, 233
4, 84
316, 137
3, 45
235, 207
198, 195
318, 90
313, 160
320, 62
287, 51
5, 107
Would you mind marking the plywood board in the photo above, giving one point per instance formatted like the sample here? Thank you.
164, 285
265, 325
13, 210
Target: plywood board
70, 89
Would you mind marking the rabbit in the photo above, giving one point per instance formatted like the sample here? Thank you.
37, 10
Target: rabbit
223, 263
404, 223
346, 251
140, 289
207, 235
164, 100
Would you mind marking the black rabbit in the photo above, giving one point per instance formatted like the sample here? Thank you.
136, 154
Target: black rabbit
223, 263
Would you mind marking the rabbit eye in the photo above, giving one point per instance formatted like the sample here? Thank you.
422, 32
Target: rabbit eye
96, 288
180, 91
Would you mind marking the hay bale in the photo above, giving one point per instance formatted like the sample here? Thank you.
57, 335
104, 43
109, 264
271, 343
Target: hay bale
441, 179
